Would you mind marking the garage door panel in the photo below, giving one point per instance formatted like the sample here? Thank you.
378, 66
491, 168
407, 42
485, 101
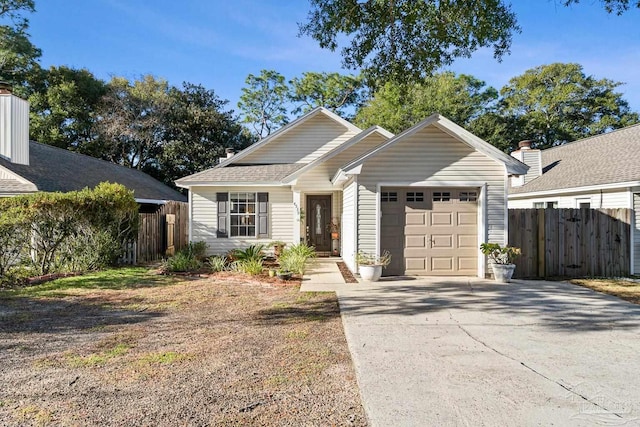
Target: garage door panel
441, 241
415, 241
467, 218
467, 264
442, 264
415, 218
415, 252
441, 218
415, 264
467, 241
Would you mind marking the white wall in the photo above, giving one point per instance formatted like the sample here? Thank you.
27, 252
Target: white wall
204, 217
636, 233
302, 144
608, 199
348, 233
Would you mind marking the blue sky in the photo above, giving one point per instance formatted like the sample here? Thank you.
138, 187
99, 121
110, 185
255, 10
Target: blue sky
218, 43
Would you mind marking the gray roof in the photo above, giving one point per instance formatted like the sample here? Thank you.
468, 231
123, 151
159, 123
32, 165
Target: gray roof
603, 159
13, 186
55, 169
242, 173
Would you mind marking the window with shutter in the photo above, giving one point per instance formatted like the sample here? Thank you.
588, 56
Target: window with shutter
223, 214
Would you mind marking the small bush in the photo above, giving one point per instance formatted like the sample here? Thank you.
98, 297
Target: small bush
181, 262
252, 253
217, 263
197, 249
251, 266
296, 258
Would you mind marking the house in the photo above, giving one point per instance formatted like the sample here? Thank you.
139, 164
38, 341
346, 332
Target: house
27, 166
429, 195
602, 171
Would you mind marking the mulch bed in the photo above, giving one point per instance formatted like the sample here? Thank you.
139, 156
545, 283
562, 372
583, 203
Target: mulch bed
346, 273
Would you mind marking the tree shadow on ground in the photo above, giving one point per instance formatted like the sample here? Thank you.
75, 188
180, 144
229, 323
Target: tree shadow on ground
318, 309
556, 305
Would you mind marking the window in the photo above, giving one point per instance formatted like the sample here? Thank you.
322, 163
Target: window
242, 214
389, 196
538, 205
441, 196
552, 205
415, 196
468, 196
584, 203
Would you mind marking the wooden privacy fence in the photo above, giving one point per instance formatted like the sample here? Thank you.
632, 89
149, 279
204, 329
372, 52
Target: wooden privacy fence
571, 242
163, 232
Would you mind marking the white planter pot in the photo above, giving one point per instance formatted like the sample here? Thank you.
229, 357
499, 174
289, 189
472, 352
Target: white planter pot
503, 272
370, 273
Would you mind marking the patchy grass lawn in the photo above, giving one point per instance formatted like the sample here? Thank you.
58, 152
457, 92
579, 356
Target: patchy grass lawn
128, 347
625, 289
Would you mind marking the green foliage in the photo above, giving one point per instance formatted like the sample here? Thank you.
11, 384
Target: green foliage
405, 40
182, 261
364, 258
63, 107
263, 102
73, 231
611, 6
295, 258
333, 91
217, 264
249, 266
18, 56
252, 253
500, 254
557, 103
196, 249
396, 106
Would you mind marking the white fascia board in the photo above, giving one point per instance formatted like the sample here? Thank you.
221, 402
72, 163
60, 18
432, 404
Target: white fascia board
17, 177
154, 201
561, 191
232, 184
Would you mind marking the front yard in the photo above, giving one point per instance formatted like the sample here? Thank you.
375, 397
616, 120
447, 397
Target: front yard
127, 347
625, 289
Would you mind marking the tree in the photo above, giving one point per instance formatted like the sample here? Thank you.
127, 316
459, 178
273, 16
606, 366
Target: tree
198, 131
333, 91
558, 103
263, 102
611, 6
396, 106
63, 107
131, 122
405, 40
18, 56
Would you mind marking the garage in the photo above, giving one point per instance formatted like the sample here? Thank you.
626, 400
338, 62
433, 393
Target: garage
430, 230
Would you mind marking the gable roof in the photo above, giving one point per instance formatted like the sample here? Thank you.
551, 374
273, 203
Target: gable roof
294, 124
56, 169
609, 158
264, 174
330, 154
514, 166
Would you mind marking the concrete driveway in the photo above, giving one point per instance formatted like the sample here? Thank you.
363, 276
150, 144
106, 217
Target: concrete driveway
472, 352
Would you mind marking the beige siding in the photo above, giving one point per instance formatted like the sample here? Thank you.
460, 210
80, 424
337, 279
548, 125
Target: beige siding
319, 178
348, 232
204, 217
14, 129
432, 158
608, 199
303, 144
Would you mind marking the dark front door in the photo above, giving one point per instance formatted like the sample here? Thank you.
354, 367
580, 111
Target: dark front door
318, 222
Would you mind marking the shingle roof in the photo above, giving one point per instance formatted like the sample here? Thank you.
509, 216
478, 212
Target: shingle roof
603, 159
243, 173
13, 186
55, 169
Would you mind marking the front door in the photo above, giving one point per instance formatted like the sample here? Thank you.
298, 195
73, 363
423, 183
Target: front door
318, 222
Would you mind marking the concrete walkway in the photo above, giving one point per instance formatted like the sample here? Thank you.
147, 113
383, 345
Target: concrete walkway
471, 352
324, 276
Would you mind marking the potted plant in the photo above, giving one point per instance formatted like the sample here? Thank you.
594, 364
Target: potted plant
370, 266
283, 274
501, 260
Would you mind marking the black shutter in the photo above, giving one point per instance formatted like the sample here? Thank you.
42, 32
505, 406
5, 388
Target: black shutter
263, 215
223, 213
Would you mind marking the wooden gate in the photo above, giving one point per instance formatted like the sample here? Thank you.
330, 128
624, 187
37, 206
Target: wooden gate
571, 242
163, 232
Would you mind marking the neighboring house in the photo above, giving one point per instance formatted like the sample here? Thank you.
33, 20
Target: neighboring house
27, 166
602, 171
429, 195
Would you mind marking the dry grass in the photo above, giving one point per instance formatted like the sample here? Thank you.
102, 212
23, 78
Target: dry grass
225, 350
625, 289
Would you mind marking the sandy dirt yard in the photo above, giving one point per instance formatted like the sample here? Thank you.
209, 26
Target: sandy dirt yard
223, 350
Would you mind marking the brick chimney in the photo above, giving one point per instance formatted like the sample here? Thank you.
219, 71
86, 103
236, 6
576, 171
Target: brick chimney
531, 157
14, 126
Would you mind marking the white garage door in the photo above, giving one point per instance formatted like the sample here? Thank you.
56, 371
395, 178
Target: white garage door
430, 231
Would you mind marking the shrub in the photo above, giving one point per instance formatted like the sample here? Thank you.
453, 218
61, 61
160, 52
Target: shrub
252, 253
296, 258
217, 263
182, 261
250, 266
197, 249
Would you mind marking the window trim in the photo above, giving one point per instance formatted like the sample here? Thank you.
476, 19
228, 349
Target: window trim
253, 214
